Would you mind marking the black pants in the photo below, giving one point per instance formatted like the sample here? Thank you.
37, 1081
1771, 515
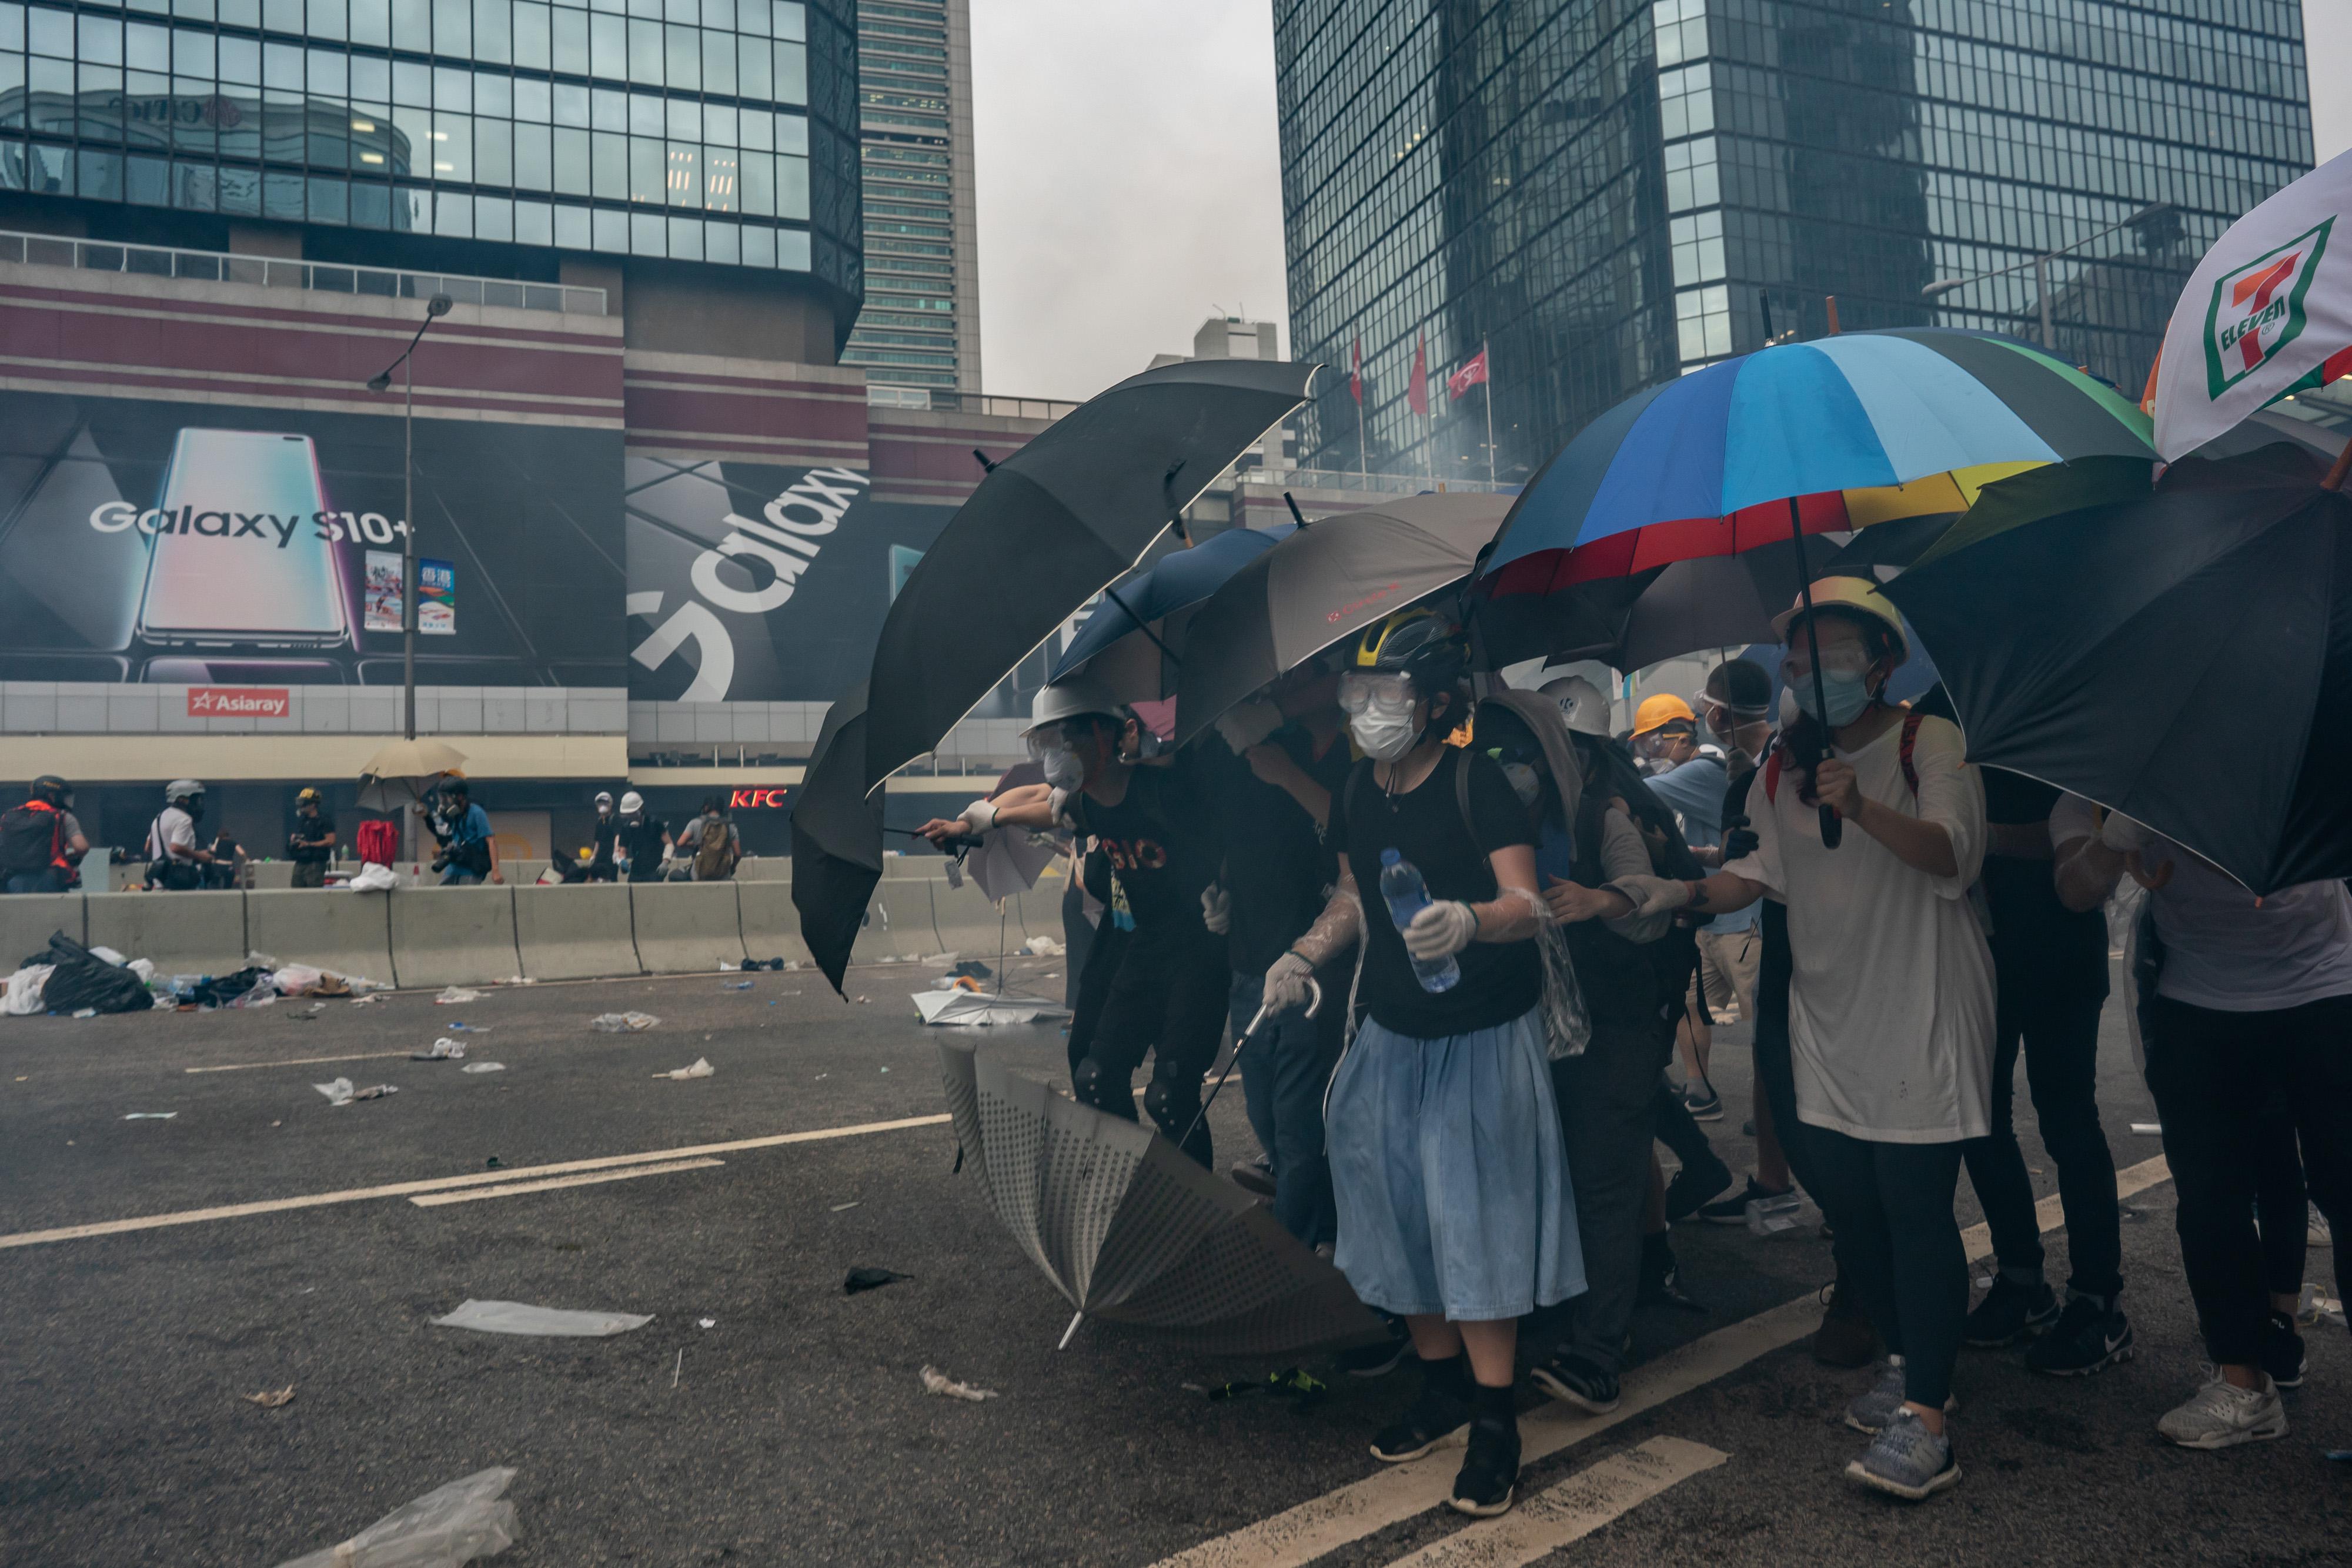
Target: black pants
1089, 988
2218, 1079
2059, 1031
1608, 1115
1898, 1247
2282, 1203
1167, 1000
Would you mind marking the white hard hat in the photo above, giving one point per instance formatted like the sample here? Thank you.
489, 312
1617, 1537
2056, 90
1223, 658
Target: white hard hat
604, 797
633, 801
181, 790
1073, 699
1580, 703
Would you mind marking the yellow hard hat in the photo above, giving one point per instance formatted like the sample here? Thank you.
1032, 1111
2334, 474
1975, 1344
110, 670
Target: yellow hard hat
1657, 712
1853, 596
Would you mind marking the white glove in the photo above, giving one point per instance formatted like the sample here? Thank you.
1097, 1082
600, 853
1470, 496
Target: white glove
981, 815
1249, 723
1442, 930
1286, 984
1216, 909
2123, 835
1652, 894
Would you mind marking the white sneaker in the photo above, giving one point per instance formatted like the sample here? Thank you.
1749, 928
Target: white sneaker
2315, 1232
2221, 1415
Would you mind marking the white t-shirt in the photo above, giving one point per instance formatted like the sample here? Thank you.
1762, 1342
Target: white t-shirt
173, 827
1890, 1003
2224, 948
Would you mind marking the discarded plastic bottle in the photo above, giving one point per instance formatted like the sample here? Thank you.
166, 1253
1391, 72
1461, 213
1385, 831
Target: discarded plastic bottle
1769, 1215
1407, 896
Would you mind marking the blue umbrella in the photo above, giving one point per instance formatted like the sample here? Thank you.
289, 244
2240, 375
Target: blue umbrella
1141, 609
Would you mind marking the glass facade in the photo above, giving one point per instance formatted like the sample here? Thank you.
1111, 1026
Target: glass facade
917, 175
1611, 192
696, 129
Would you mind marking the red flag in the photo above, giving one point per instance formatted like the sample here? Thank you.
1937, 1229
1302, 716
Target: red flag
1417, 398
1356, 374
1473, 374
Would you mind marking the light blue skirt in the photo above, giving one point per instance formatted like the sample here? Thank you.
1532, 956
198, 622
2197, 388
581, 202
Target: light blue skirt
1452, 1183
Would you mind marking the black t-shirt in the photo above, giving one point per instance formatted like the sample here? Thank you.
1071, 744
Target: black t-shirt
2036, 941
644, 835
300, 844
1277, 863
1161, 838
1500, 981
608, 833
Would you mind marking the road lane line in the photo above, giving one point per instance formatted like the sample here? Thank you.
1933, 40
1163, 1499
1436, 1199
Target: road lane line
443, 1184
435, 1199
1395, 1493
298, 1061
1572, 1509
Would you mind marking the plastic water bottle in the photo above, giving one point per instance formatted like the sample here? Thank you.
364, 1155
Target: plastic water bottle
1407, 896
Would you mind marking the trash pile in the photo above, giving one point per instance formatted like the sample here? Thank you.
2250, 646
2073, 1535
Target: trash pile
83, 982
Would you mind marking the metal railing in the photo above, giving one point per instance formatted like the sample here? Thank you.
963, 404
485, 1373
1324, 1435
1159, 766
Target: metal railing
1378, 484
271, 272
940, 400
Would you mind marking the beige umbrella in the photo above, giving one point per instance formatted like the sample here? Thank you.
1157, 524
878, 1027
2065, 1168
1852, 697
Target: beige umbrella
402, 772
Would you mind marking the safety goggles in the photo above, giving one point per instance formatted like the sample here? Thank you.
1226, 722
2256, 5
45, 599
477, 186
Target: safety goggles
1362, 690
1062, 734
1797, 664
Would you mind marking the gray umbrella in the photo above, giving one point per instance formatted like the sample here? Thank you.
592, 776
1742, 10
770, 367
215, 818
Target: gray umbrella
1326, 583
1130, 1231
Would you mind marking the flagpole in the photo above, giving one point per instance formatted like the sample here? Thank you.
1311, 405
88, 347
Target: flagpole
1487, 375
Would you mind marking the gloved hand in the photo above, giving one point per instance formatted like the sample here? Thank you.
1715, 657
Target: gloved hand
1216, 909
1740, 844
982, 815
1442, 930
1246, 726
1652, 894
2123, 835
1286, 984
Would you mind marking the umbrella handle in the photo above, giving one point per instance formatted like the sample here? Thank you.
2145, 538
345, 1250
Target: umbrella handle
1313, 1005
1832, 828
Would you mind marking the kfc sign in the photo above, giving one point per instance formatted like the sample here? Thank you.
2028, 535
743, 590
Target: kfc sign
760, 799
237, 702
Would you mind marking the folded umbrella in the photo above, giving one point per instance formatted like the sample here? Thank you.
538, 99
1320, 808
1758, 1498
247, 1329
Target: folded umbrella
837, 838
1134, 643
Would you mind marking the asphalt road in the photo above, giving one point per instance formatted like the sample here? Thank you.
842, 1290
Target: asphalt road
794, 1429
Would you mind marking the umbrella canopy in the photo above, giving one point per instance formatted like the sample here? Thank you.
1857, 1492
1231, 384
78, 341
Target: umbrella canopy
2181, 657
837, 838
1048, 529
404, 771
1132, 1231
1322, 585
1137, 659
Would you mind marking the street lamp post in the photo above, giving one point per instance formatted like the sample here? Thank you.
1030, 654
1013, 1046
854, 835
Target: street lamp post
2040, 265
438, 306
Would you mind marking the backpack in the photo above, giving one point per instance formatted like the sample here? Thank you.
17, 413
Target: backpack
712, 859
32, 839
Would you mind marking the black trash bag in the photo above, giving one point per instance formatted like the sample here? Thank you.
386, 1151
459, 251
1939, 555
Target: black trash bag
219, 990
83, 979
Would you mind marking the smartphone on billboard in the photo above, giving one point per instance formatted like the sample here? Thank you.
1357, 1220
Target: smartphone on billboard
238, 559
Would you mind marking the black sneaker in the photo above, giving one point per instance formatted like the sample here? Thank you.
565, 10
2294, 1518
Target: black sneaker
2008, 1313
2091, 1336
1733, 1210
1703, 1102
1490, 1471
2283, 1351
1571, 1376
1661, 1279
1438, 1412
1252, 1177
1693, 1186
1380, 1359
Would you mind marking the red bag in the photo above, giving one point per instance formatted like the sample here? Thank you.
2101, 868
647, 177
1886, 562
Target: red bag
379, 842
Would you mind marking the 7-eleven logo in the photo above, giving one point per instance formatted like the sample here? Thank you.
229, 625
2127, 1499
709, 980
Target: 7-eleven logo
2258, 309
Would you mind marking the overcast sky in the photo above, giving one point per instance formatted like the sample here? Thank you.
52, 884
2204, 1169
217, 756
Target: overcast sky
1130, 181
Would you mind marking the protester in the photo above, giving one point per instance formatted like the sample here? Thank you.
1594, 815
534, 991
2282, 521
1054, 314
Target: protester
2050, 965
712, 842
2244, 1034
40, 841
603, 857
176, 861
642, 837
1166, 997
1277, 878
1692, 782
1890, 1003
1455, 1206
470, 854
227, 868
312, 844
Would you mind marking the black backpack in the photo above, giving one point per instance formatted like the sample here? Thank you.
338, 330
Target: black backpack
32, 839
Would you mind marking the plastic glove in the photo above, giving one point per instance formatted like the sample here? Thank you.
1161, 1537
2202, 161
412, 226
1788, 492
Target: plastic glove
2123, 835
1246, 726
1442, 930
982, 815
1286, 984
1216, 908
1652, 894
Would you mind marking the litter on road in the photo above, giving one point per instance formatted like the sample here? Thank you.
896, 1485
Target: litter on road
447, 1527
484, 1067
151, 1115
622, 1023
863, 1278
553, 1322
701, 1068
844, 1208
272, 1399
341, 1092
455, 996
444, 1049
946, 1387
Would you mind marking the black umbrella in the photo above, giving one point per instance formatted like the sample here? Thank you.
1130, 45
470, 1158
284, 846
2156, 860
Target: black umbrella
1048, 529
1633, 622
2183, 657
837, 838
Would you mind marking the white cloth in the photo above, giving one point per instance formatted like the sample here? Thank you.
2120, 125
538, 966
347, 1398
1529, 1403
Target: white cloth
1891, 1004
173, 827
2224, 948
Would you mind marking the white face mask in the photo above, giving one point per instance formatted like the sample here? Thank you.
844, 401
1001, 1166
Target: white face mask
1384, 730
1064, 769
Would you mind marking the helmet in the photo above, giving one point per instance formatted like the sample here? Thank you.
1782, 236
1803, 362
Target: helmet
50, 788
307, 797
1743, 686
1580, 703
632, 801
1074, 698
180, 790
604, 797
1659, 711
1424, 645
1855, 597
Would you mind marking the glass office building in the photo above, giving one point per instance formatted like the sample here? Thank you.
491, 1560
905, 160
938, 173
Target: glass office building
1611, 191
703, 131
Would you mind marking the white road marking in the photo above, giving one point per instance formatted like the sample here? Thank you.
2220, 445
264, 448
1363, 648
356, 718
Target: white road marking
1395, 1493
1572, 1509
444, 1183
629, 1172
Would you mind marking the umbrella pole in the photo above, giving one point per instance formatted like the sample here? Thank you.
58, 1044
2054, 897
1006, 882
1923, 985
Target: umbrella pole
1833, 826
1230, 1063
1143, 626
1071, 1332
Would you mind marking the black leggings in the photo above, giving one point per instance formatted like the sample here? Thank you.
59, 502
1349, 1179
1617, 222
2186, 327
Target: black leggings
2282, 1204
1898, 1247
1167, 999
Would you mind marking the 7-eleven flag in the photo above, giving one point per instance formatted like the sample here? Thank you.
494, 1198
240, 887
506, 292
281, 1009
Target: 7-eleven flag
2267, 313
1458, 385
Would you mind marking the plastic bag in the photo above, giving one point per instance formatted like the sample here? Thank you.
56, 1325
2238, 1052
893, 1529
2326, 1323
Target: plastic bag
373, 878
622, 1023
446, 1527
107, 955
298, 979
701, 1068
457, 997
522, 1318
23, 996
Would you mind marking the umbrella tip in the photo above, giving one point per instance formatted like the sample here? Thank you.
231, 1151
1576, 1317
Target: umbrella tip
1296, 515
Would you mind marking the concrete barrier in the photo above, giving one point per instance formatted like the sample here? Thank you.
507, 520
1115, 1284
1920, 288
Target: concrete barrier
686, 926
26, 920
772, 927
764, 867
271, 873
452, 935
346, 934
179, 933
576, 932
